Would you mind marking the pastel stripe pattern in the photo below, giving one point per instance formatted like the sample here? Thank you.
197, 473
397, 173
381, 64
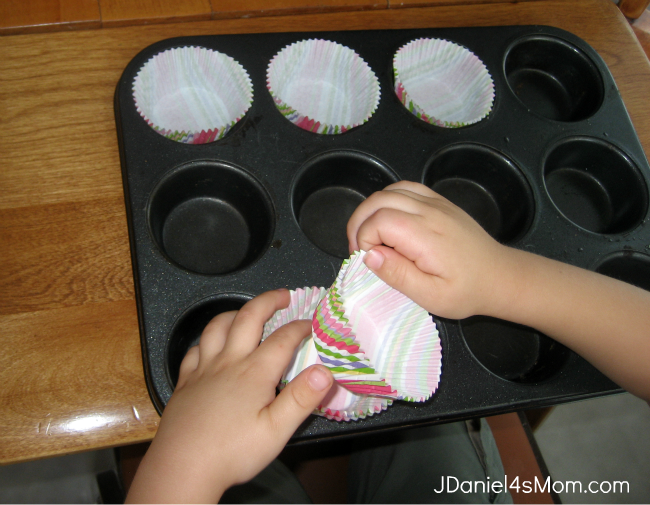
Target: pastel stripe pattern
379, 344
340, 404
442, 83
192, 95
322, 86
339, 351
396, 338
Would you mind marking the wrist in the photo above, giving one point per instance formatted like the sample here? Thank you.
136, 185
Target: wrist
510, 277
531, 288
170, 474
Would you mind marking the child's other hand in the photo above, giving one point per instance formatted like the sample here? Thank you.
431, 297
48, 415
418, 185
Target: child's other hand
429, 249
224, 423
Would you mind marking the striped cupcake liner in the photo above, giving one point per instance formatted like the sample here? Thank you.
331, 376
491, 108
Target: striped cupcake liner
192, 94
442, 83
340, 404
379, 345
322, 86
396, 337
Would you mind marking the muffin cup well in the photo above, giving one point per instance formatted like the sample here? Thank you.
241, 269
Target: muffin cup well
211, 217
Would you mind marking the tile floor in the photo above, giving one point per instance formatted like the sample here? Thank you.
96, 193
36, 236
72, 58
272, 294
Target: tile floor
601, 440
66, 479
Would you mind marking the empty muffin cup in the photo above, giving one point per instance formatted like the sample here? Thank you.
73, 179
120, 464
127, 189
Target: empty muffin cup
327, 190
511, 351
628, 266
442, 83
486, 185
192, 95
322, 86
187, 330
211, 217
595, 185
553, 78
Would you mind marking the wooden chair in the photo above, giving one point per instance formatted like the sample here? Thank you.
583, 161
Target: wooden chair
633, 9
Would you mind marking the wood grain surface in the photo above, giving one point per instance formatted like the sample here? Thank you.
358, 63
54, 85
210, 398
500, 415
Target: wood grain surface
396, 4
241, 8
22, 16
70, 366
131, 12
518, 456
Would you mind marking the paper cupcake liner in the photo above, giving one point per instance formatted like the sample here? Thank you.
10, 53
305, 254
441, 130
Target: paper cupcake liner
378, 344
340, 404
322, 86
442, 83
388, 336
302, 305
192, 94
341, 353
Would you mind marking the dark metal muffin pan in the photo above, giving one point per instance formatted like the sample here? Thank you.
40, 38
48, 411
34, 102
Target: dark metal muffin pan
555, 169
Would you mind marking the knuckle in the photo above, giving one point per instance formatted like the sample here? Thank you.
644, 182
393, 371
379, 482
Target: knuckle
385, 214
376, 196
224, 318
249, 312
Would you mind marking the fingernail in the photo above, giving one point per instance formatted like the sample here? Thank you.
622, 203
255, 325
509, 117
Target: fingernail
319, 379
374, 259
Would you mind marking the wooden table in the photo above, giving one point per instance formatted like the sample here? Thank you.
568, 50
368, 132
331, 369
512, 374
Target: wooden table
71, 375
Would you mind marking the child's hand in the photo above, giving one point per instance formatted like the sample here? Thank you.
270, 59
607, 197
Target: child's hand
423, 245
429, 249
224, 423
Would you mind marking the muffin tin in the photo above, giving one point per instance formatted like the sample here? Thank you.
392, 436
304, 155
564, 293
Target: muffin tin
555, 169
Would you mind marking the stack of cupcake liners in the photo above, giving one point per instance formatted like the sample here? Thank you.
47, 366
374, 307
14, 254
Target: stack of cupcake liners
340, 404
379, 345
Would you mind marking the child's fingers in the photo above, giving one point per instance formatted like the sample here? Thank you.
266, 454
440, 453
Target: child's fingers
402, 274
299, 399
394, 228
246, 329
214, 335
381, 200
188, 365
275, 353
413, 187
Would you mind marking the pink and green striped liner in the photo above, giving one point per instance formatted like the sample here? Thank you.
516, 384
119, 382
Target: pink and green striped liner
442, 83
340, 404
322, 86
192, 94
397, 337
339, 351
378, 344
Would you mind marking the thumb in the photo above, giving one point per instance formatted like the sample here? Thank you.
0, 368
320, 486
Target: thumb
400, 273
300, 398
